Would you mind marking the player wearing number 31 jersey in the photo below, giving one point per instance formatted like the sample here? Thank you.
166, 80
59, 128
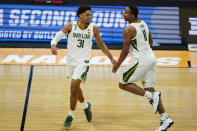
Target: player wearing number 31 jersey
79, 44
80, 34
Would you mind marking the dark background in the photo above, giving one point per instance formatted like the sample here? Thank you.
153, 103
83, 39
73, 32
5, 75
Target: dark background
117, 2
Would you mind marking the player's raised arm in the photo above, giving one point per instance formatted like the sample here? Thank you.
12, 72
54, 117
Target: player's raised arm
128, 34
60, 35
102, 45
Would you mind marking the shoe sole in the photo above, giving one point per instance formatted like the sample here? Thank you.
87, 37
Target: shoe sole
67, 127
158, 103
171, 124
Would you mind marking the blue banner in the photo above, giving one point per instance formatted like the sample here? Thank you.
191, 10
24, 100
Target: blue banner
40, 23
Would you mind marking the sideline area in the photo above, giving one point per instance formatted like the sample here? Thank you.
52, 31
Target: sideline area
36, 56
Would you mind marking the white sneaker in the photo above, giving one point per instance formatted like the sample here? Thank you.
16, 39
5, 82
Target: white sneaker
164, 125
155, 101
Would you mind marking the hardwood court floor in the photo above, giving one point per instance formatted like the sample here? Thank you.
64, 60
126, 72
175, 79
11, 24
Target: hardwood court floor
113, 109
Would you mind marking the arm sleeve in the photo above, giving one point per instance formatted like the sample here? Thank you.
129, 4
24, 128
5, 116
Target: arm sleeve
59, 35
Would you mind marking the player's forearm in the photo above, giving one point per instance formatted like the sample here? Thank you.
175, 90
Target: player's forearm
105, 50
122, 57
59, 35
150, 39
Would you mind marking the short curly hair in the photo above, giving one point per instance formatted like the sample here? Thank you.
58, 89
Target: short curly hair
134, 10
82, 9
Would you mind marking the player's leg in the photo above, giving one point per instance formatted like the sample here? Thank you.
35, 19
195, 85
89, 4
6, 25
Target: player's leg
86, 105
80, 96
82, 72
161, 108
83, 75
132, 74
165, 121
68, 121
79, 73
148, 81
75, 86
132, 88
74, 90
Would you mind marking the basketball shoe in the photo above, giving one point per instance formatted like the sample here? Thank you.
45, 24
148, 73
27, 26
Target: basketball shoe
88, 113
165, 124
68, 121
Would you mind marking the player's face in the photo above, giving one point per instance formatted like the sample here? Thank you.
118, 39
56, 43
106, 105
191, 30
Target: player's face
128, 16
86, 16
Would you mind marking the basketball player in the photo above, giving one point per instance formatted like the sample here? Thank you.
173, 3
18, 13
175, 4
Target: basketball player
137, 41
80, 34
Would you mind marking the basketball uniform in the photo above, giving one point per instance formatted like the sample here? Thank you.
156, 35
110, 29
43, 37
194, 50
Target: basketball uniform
78, 51
143, 61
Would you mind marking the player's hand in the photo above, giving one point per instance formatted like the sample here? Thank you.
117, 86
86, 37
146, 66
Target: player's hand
113, 61
54, 50
115, 67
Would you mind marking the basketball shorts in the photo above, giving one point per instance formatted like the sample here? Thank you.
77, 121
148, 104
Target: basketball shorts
140, 69
77, 72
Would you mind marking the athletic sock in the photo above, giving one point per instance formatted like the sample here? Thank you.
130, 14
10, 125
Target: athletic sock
163, 116
85, 105
148, 95
71, 113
